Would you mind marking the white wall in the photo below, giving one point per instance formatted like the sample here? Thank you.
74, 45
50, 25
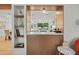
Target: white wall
5, 17
2, 33
8, 24
71, 30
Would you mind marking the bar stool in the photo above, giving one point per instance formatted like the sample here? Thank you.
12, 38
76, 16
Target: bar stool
65, 50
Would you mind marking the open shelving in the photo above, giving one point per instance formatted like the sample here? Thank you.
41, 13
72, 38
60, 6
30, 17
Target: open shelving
19, 26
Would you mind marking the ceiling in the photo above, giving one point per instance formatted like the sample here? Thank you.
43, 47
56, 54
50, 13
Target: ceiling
46, 7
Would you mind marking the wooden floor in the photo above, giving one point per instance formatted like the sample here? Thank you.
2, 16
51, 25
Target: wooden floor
5, 47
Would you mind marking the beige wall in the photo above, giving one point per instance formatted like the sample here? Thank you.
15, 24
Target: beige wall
60, 20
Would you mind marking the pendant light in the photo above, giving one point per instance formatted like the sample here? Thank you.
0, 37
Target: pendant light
44, 10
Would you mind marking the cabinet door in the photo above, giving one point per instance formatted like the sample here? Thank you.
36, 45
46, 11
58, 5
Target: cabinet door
43, 44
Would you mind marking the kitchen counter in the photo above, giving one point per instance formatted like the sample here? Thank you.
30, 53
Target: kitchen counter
44, 33
43, 44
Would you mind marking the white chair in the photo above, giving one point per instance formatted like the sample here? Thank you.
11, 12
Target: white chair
65, 49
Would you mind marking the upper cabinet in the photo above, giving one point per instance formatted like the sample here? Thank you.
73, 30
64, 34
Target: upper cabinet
45, 19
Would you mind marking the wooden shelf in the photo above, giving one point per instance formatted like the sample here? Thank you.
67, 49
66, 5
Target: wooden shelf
19, 45
21, 16
20, 36
19, 26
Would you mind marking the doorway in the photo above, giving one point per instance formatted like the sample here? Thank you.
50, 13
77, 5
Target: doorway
5, 29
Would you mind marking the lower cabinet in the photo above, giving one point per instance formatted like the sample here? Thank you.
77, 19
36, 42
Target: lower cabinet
43, 44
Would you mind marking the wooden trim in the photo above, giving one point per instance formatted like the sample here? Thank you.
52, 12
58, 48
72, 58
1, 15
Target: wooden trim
48, 7
59, 8
5, 6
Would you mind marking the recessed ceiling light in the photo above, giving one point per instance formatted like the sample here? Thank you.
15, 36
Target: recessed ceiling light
32, 8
